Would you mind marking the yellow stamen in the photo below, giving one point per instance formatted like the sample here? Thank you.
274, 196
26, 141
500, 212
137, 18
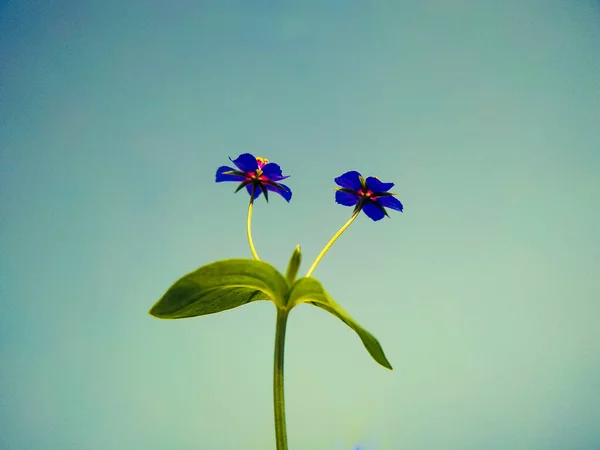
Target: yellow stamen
262, 160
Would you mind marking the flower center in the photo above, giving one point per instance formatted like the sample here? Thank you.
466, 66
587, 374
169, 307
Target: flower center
257, 176
366, 193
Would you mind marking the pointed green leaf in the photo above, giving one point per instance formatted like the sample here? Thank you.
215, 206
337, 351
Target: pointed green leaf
309, 290
220, 286
263, 188
242, 185
294, 265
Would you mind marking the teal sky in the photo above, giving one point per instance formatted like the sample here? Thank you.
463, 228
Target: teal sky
484, 293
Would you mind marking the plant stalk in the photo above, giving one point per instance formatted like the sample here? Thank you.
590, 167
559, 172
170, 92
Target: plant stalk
278, 389
332, 241
249, 226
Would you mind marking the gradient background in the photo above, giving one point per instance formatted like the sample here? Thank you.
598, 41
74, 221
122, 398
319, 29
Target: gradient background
484, 293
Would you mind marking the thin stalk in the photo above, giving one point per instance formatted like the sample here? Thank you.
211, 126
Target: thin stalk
278, 394
249, 226
332, 241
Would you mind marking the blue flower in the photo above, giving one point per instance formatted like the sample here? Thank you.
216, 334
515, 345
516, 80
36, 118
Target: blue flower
257, 175
370, 195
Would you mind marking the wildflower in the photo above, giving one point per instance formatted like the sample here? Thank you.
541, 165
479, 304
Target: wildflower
256, 175
369, 195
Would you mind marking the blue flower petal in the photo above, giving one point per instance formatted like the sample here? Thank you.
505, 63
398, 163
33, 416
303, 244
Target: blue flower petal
390, 202
373, 211
245, 162
221, 176
273, 172
286, 192
378, 186
257, 191
345, 198
349, 180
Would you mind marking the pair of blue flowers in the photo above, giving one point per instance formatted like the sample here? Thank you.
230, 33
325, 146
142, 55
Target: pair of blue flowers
258, 175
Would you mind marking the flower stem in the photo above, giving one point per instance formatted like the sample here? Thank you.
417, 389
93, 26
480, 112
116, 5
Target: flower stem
278, 395
331, 242
252, 249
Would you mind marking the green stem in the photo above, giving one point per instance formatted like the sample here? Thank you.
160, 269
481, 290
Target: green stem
331, 242
278, 396
249, 226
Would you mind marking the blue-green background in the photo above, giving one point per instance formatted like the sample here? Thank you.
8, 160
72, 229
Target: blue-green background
485, 292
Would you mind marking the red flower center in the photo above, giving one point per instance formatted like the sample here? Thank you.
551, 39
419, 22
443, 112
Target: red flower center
368, 193
257, 176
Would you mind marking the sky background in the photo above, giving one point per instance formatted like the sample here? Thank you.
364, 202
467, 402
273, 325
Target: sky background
484, 293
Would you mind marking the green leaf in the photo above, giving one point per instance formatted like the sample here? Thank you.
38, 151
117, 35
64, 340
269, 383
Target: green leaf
220, 286
309, 290
294, 265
